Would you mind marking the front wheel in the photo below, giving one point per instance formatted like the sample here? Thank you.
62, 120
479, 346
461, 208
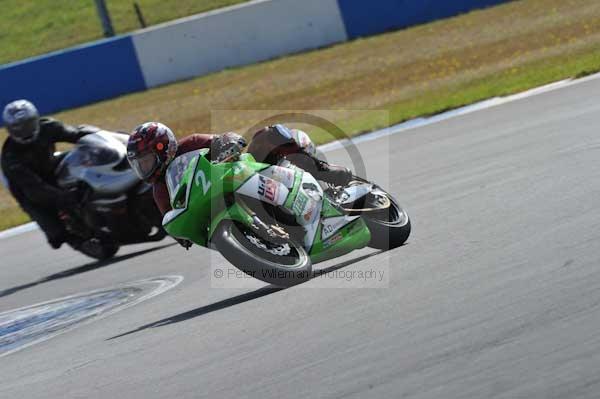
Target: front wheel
282, 264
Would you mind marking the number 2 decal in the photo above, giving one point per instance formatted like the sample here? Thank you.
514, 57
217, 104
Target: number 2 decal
201, 179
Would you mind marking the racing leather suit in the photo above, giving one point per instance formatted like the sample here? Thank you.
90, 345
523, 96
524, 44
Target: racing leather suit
29, 170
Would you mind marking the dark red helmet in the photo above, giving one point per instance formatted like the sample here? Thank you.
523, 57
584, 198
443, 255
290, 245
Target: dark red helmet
151, 147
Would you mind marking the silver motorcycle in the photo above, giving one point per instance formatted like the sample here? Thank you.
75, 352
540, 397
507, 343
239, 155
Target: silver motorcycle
117, 208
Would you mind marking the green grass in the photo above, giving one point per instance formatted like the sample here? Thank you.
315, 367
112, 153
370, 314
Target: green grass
10, 213
419, 71
455, 96
29, 28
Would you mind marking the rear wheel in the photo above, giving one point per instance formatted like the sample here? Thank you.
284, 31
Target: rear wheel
98, 249
390, 227
283, 264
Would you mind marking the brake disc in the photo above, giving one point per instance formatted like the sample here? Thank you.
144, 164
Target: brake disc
281, 250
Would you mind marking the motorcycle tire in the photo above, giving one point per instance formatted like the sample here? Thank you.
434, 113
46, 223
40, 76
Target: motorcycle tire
281, 264
98, 249
390, 228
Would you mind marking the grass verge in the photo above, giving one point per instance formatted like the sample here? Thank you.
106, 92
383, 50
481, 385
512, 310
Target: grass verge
414, 72
29, 28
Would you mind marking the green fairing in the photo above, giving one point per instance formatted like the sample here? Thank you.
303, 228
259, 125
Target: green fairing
209, 183
353, 236
294, 191
234, 212
329, 210
208, 210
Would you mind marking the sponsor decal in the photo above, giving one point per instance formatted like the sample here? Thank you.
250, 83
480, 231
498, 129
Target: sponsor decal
284, 175
264, 189
267, 188
333, 240
328, 229
176, 170
331, 225
310, 211
299, 203
203, 181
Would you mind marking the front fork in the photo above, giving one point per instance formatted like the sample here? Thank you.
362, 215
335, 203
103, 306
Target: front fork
240, 212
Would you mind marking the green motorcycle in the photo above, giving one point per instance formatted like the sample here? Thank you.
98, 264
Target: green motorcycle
274, 221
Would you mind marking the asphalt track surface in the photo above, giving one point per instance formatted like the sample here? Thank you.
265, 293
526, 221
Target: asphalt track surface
496, 294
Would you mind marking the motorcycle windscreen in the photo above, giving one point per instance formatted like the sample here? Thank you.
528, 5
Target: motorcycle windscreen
81, 157
92, 156
175, 172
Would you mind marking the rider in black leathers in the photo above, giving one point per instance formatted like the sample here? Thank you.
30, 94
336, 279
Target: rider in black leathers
28, 163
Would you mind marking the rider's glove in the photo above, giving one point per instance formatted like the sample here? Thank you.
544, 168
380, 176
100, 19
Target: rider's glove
227, 147
232, 137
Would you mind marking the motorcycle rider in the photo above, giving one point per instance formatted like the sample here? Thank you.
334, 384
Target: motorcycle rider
152, 146
28, 164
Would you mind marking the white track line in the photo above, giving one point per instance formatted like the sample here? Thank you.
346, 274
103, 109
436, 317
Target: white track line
402, 127
15, 231
165, 284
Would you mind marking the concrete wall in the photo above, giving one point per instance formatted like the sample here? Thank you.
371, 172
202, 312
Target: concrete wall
200, 44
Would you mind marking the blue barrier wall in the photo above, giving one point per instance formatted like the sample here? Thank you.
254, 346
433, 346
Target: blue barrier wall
364, 18
74, 77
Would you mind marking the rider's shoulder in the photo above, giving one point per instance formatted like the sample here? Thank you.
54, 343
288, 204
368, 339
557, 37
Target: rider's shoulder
48, 123
193, 142
46, 120
11, 147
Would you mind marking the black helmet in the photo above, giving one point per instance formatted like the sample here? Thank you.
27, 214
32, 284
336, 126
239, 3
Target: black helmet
22, 121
